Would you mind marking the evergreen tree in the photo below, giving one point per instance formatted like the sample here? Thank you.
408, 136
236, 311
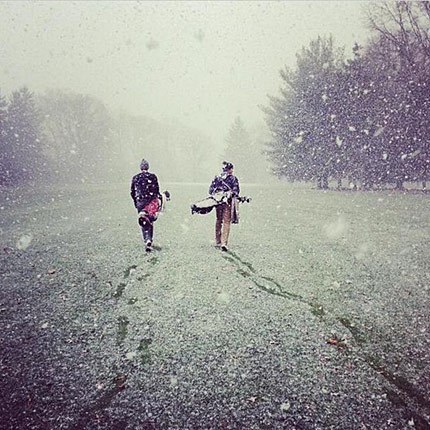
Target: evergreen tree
360, 123
3, 142
403, 44
302, 119
419, 157
240, 150
24, 159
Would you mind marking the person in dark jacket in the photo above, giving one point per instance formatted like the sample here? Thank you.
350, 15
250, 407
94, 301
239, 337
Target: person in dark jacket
228, 183
145, 193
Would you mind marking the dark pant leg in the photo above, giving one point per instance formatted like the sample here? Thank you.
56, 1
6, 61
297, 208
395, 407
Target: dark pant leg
149, 231
146, 225
226, 221
218, 223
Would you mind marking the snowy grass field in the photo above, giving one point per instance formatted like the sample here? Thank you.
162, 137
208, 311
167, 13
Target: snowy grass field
317, 318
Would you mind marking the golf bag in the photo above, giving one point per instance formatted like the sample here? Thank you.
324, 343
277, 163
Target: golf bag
150, 212
206, 205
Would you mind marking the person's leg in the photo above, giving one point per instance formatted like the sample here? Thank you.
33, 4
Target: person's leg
147, 232
218, 224
150, 231
226, 225
145, 225
142, 222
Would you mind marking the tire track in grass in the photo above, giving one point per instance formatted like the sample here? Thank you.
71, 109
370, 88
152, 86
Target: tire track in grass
406, 388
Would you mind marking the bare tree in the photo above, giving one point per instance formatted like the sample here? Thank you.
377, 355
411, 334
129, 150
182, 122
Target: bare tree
406, 26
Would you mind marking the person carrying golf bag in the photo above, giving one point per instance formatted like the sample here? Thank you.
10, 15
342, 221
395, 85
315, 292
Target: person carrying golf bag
146, 196
226, 212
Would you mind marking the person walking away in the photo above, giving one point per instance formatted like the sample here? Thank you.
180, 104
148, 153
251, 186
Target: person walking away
228, 183
145, 193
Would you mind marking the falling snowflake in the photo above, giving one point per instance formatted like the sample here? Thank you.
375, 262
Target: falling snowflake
336, 229
378, 131
285, 407
130, 355
152, 44
24, 242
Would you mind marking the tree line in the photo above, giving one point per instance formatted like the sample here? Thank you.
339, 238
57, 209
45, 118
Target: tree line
365, 119
65, 137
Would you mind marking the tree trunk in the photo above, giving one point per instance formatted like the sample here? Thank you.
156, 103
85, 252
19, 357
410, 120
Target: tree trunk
368, 185
424, 185
399, 184
322, 182
325, 182
339, 183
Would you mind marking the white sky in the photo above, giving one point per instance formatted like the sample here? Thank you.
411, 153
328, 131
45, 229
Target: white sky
202, 63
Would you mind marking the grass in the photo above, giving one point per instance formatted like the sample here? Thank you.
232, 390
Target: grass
358, 260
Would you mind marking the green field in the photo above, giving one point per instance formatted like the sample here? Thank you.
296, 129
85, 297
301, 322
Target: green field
317, 318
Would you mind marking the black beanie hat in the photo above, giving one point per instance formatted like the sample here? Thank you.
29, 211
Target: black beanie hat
144, 165
227, 166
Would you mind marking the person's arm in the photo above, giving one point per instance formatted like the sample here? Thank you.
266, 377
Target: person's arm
133, 191
155, 186
212, 186
236, 187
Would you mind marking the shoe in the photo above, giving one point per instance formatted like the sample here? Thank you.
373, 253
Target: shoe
217, 245
224, 248
148, 246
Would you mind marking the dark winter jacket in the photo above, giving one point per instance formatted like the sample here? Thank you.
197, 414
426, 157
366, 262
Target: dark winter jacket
225, 182
144, 188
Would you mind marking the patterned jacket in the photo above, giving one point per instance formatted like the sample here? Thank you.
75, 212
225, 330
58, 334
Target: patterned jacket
225, 182
144, 188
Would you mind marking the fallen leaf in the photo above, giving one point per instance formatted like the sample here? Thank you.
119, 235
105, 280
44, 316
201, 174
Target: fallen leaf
340, 343
119, 381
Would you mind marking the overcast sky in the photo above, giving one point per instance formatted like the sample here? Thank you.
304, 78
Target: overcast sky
202, 63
